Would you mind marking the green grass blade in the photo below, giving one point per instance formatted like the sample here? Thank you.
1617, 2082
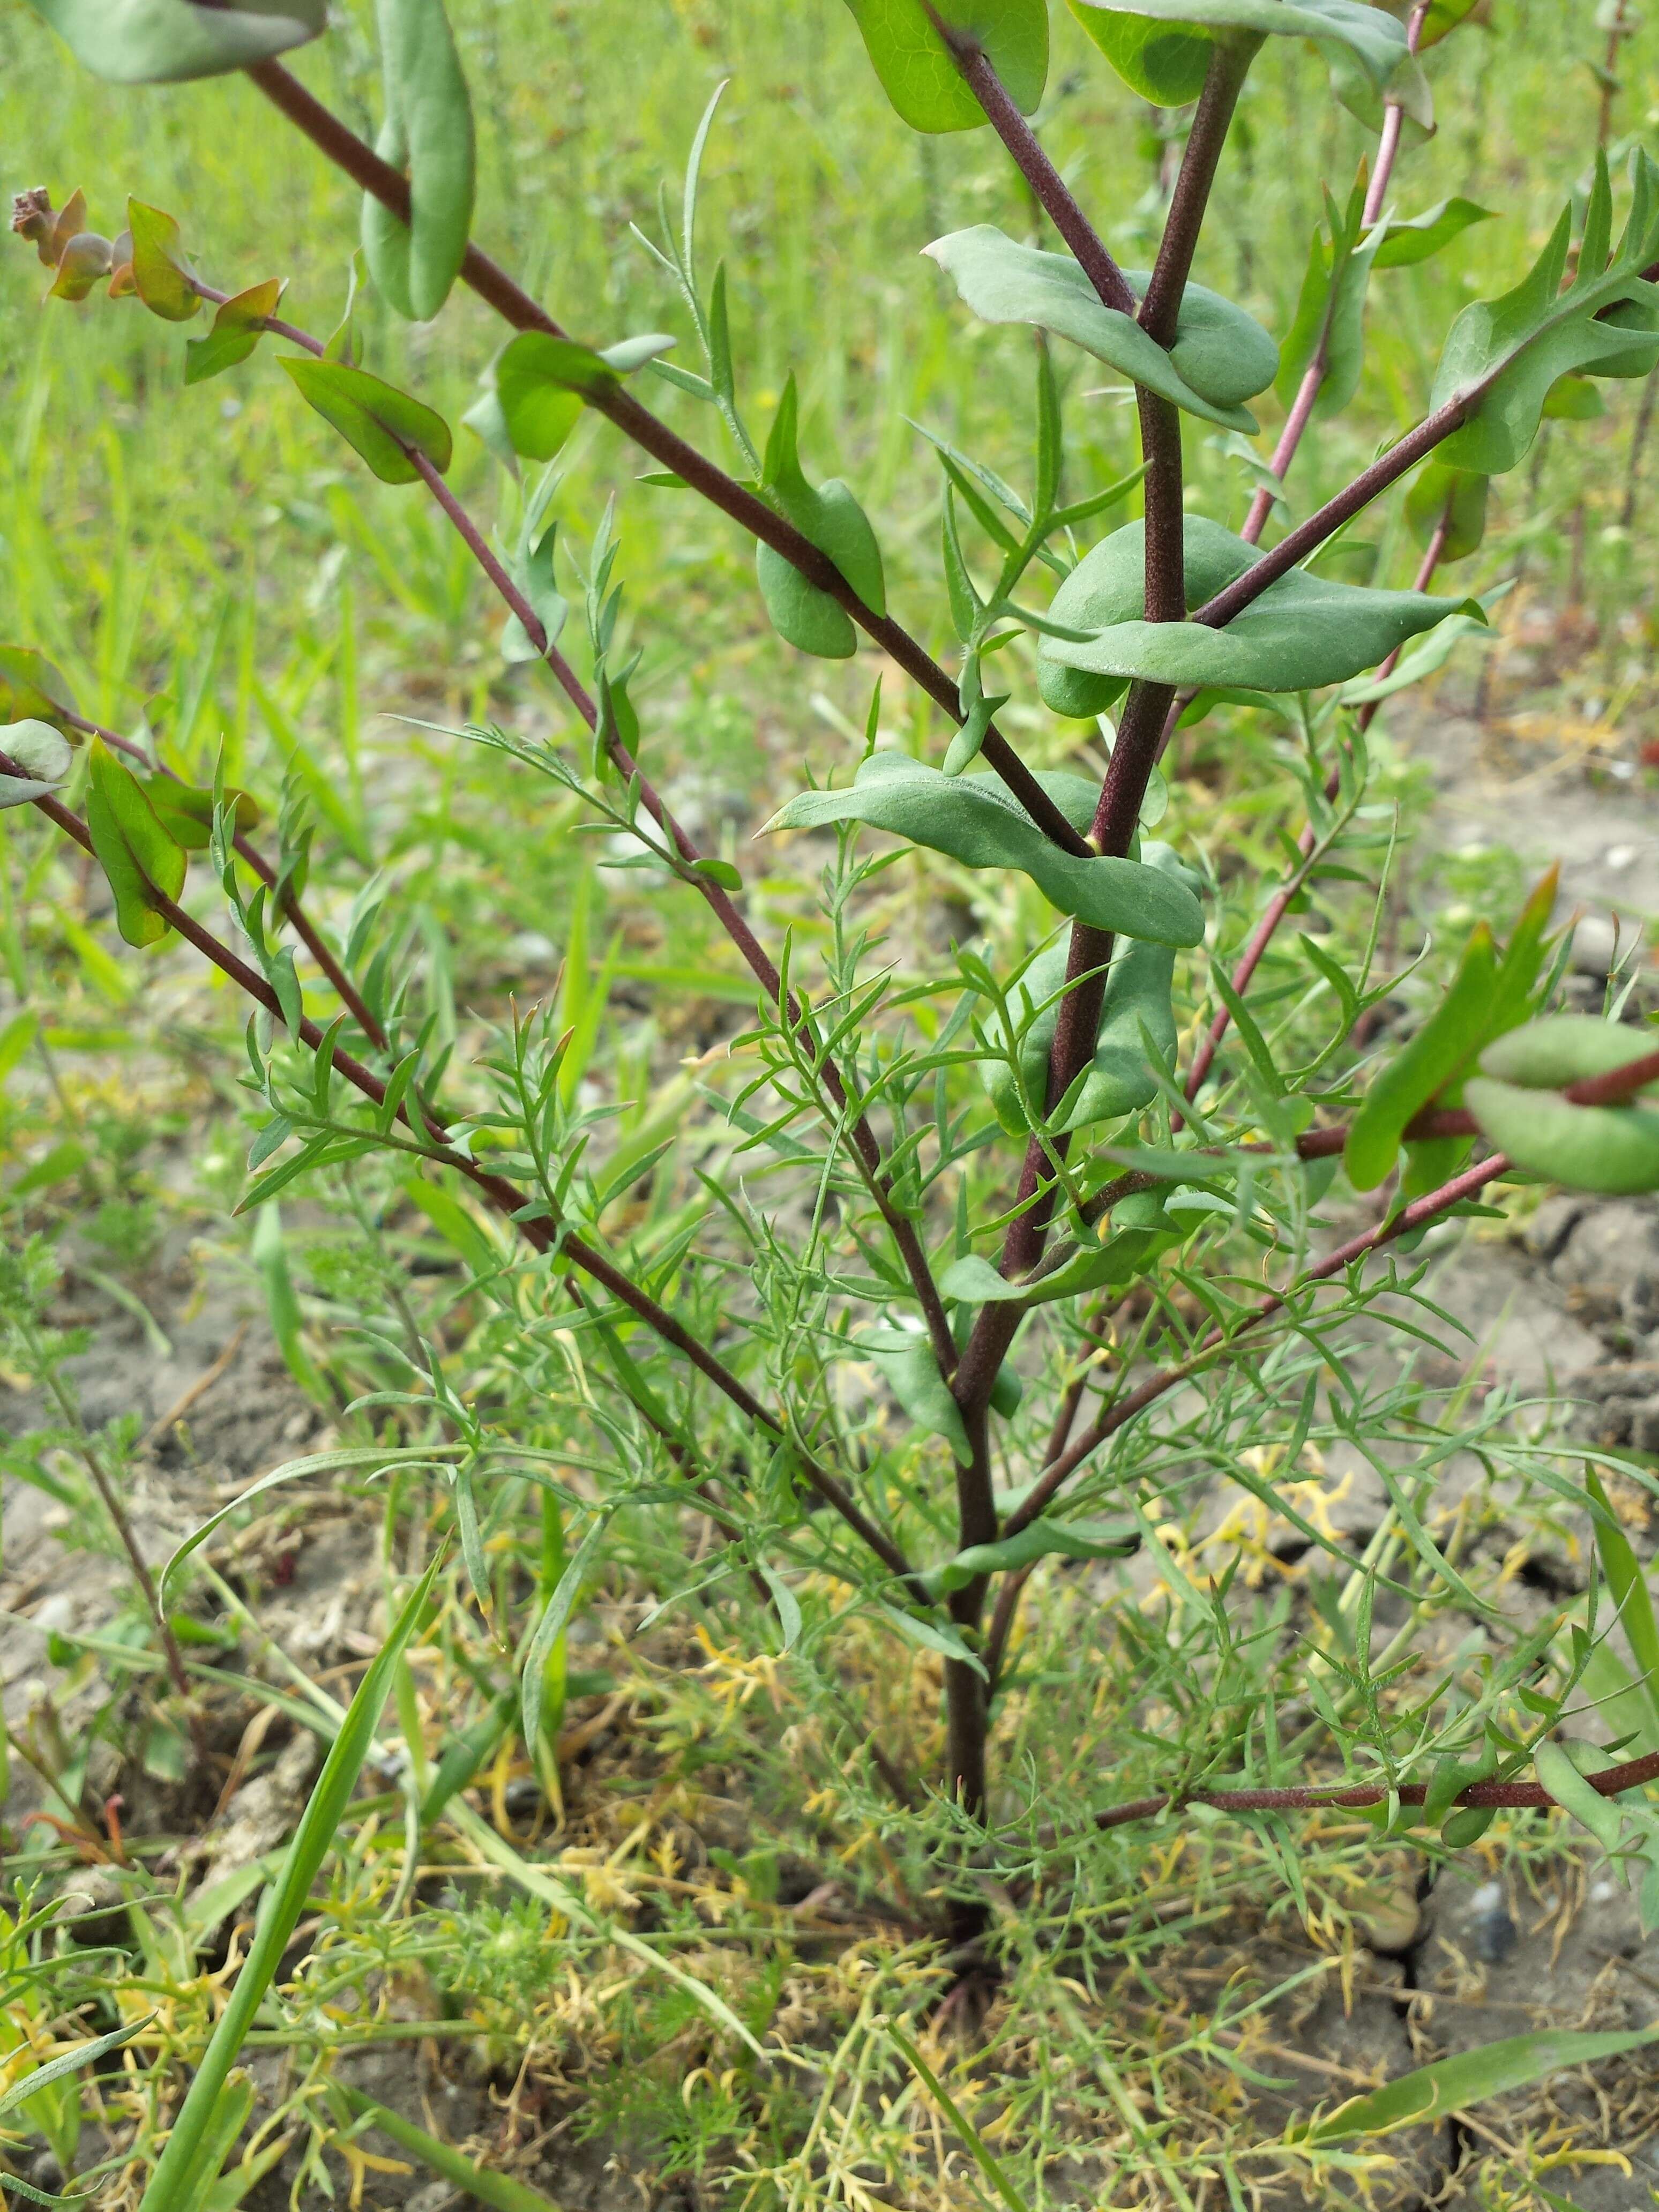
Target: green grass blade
1433, 2091
500, 2190
68, 2062
1629, 1586
960, 2121
279, 1915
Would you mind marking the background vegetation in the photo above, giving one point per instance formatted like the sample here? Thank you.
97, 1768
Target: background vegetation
213, 563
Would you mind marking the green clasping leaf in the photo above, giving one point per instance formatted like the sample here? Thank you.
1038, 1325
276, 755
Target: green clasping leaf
915, 67
1404, 243
185, 813
134, 849
1043, 1539
1510, 351
236, 330
32, 690
158, 275
427, 133
1330, 315
166, 41
1221, 356
541, 382
1305, 630
1454, 496
376, 419
974, 820
802, 614
830, 518
1163, 62
1161, 47
1137, 1007
43, 754
913, 1378
1564, 1048
1610, 1149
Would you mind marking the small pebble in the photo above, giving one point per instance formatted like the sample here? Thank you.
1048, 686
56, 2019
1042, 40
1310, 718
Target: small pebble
1603, 1892
1495, 1932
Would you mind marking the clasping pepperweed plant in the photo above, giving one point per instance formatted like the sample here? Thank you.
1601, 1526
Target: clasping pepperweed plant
993, 1246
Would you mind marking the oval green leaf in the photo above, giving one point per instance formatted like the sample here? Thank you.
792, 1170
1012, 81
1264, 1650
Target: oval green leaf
1614, 1150
918, 73
1304, 631
429, 134
166, 41
374, 418
1221, 357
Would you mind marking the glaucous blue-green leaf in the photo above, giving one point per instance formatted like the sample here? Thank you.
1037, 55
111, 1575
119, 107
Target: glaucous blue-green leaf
918, 73
1455, 497
827, 515
1612, 1151
1040, 1538
1417, 662
1221, 356
1507, 353
378, 421
166, 41
1562, 1048
1409, 240
1304, 631
428, 135
41, 751
132, 847
913, 1378
802, 614
974, 820
1120, 1078
1354, 38
1139, 1234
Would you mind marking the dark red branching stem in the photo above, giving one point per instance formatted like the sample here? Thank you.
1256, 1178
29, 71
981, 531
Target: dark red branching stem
1212, 118
509, 1201
1308, 535
493, 285
730, 916
1039, 171
304, 928
1141, 723
1611, 1782
1118, 1415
